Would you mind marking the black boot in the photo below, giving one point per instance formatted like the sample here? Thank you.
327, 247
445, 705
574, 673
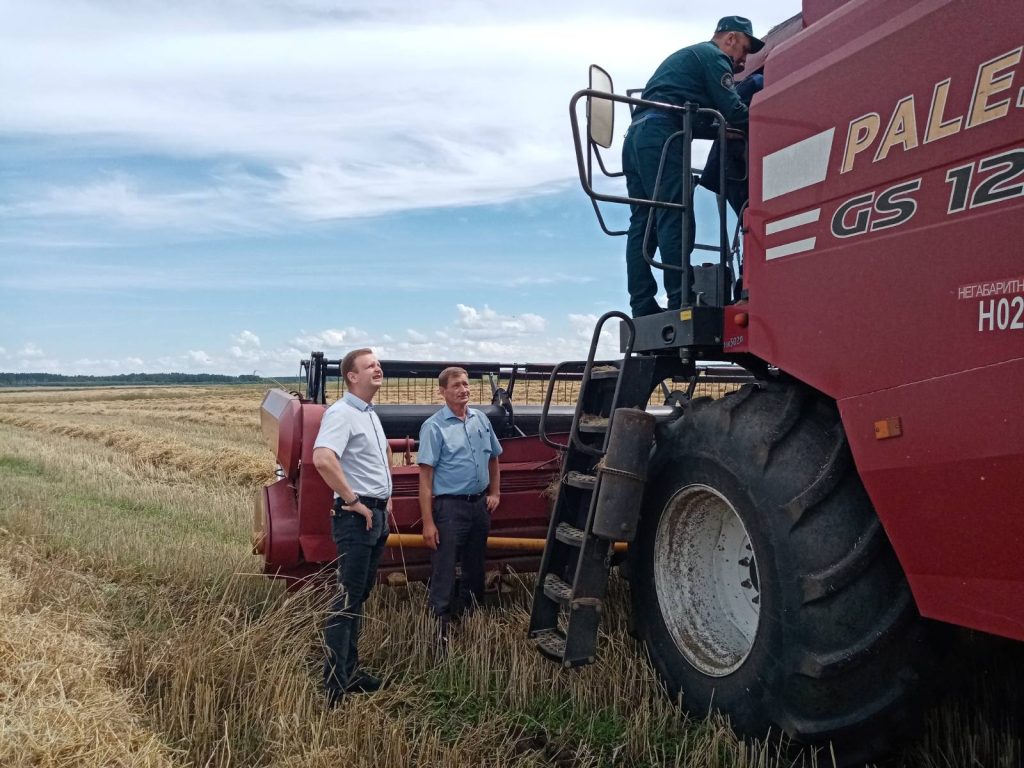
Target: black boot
363, 682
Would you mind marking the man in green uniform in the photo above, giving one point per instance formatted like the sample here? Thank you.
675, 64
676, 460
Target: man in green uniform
700, 74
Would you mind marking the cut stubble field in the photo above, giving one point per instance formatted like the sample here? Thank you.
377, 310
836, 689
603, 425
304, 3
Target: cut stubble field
137, 630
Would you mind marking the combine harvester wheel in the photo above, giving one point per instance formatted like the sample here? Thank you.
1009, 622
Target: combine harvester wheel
763, 584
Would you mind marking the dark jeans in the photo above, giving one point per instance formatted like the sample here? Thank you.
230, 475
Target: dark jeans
641, 155
462, 527
359, 552
736, 189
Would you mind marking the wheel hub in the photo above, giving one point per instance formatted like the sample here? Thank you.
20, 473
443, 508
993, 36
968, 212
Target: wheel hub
706, 580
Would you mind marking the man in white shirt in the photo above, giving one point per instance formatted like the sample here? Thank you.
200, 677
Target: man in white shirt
352, 455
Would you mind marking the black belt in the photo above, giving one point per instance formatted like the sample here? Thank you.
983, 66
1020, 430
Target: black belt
659, 113
369, 501
470, 497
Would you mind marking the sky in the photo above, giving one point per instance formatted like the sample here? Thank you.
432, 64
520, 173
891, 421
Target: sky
227, 186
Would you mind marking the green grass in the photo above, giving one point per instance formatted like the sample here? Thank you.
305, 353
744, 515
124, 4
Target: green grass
14, 465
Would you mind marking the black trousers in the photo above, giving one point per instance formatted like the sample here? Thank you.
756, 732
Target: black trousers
359, 552
462, 527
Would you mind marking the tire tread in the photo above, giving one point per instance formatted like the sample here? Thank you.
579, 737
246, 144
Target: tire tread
851, 681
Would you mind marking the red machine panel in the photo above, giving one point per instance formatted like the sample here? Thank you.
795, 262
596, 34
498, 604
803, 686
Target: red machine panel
298, 528
953, 489
885, 268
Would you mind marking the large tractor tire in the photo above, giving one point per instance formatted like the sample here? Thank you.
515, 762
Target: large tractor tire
763, 584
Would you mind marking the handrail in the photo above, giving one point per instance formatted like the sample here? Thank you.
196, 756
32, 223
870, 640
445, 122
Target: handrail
686, 113
542, 425
594, 341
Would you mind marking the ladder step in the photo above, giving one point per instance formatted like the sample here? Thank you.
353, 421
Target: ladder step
568, 534
557, 589
604, 372
592, 423
551, 642
583, 480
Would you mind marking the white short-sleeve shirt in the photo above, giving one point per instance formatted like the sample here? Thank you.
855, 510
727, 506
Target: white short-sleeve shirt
353, 431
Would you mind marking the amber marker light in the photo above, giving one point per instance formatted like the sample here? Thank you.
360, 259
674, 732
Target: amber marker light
886, 428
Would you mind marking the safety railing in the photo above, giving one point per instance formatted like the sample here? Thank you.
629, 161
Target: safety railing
600, 104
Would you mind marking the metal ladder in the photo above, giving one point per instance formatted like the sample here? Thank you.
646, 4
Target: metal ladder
597, 504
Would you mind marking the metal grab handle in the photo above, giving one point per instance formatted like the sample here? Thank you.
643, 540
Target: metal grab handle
595, 340
581, 162
541, 428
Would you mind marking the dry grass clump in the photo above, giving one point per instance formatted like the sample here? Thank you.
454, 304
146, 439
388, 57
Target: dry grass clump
236, 681
59, 702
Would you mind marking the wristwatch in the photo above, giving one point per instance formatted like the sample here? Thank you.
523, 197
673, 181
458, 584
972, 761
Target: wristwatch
351, 503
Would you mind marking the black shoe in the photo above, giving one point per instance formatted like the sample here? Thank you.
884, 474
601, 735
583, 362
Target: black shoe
363, 682
647, 311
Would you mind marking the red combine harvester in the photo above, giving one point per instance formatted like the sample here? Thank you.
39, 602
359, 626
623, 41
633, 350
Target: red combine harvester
790, 542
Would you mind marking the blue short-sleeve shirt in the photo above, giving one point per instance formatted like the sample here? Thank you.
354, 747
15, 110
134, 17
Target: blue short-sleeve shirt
458, 450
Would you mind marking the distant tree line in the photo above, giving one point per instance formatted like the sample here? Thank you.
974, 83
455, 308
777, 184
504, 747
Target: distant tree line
121, 379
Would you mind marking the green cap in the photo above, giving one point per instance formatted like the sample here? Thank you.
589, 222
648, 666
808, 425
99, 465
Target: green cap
740, 24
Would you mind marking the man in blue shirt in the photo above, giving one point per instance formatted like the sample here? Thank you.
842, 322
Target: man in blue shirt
459, 489
352, 455
701, 74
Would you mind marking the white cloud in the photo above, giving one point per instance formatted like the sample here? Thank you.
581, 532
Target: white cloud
38, 365
468, 334
247, 339
583, 330
90, 367
484, 334
31, 351
236, 204
327, 102
486, 323
333, 339
30, 358
194, 118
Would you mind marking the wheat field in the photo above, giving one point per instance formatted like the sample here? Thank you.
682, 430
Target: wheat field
136, 629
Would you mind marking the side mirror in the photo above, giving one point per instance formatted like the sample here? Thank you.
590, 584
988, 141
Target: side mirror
600, 112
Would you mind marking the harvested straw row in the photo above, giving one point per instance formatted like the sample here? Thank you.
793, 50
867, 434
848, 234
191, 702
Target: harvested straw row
58, 704
98, 393
214, 415
199, 401
240, 467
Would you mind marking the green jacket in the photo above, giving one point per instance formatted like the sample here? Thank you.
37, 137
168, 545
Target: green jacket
700, 74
